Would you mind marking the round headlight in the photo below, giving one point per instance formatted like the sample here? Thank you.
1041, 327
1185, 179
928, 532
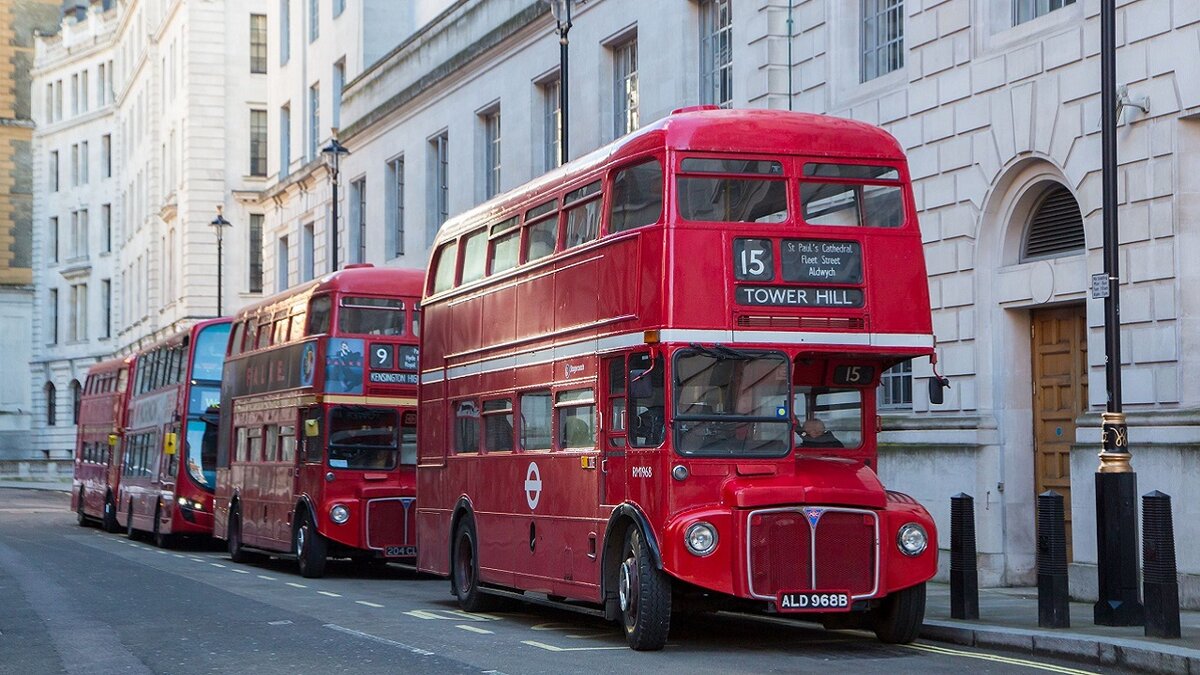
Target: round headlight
339, 514
911, 539
701, 538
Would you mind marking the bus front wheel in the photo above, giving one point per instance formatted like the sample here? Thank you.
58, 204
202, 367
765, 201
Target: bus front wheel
898, 619
234, 534
80, 516
109, 522
160, 540
644, 592
466, 569
310, 549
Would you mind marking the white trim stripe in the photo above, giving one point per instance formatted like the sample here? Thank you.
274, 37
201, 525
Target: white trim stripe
626, 340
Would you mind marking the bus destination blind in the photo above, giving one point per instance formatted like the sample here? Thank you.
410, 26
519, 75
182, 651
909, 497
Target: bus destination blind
816, 261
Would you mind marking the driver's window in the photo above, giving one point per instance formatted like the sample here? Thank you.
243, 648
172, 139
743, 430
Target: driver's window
827, 417
647, 420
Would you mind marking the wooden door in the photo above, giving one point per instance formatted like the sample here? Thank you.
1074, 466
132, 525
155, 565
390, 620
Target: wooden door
1059, 397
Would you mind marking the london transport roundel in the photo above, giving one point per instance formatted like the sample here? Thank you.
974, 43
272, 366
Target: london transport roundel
533, 485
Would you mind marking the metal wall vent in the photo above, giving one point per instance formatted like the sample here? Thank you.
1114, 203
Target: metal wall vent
1056, 227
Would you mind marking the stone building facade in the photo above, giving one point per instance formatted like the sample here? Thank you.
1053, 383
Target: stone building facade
997, 104
152, 98
20, 21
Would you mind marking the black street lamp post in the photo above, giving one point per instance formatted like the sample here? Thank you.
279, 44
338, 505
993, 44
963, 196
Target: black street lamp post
1116, 483
561, 9
218, 225
332, 154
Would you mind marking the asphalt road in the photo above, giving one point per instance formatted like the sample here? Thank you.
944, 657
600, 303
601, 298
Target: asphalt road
77, 600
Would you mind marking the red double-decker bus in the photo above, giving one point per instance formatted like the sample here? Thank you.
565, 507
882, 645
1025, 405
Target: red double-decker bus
169, 452
97, 464
317, 455
648, 379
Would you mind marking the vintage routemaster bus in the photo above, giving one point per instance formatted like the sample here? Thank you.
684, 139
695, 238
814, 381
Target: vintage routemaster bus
169, 452
97, 462
648, 379
317, 455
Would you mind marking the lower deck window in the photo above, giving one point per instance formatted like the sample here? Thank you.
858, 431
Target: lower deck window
536, 428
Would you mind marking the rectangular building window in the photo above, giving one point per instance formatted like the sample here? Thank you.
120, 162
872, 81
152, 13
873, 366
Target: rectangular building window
106, 298
625, 87
358, 218
58, 100
314, 121
255, 258
882, 37
102, 84
1027, 10
53, 246
895, 387
106, 155
339, 6
258, 142
281, 265
52, 169
106, 227
77, 322
258, 43
339, 83
285, 141
80, 234
439, 179
308, 251
49, 114
394, 202
552, 124
83, 162
52, 333
74, 164
716, 53
285, 29
314, 20
491, 154
75, 94
84, 93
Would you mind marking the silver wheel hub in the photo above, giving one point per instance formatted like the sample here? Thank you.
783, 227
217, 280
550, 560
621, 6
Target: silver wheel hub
624, 588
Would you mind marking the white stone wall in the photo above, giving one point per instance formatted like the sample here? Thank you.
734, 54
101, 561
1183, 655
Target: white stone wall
79, 47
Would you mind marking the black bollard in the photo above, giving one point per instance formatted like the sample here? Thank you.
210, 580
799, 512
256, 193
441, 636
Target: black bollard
1054, 609
1160, 585
964, 571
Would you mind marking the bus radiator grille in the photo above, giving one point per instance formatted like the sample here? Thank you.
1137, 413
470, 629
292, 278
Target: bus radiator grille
391, 522
782, 546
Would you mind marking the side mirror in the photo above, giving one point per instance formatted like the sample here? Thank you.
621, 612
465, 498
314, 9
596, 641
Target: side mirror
936, 384
112, 440
312, 428
170, 443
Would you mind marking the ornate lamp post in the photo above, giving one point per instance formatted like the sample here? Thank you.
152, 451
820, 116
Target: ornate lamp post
561, 9
218, 225
332, 154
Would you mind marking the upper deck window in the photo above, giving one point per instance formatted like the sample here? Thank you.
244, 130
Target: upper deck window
732, 200
318, 315
210, 352
542, 236
371, 316
443, 276
505, 246
474, 256
852, 204
724, 165
583, 219
637, 197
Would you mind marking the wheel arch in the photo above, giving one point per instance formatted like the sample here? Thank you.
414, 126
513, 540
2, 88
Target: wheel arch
623, 517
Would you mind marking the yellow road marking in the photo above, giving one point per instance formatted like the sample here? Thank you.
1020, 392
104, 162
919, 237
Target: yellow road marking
1050, 667
552, 648
473, 629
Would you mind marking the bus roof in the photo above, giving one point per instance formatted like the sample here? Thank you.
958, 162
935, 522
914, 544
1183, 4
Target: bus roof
180, 334
703, 129
365, 279
111, 365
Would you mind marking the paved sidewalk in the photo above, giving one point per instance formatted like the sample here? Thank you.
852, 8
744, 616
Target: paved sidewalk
1008, 619
17, 483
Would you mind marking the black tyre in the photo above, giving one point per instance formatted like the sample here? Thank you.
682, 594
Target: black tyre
464, 563
310, 549
129, 531
160, 540
233, 534
898, 619
645, 596
109, 522
80, 517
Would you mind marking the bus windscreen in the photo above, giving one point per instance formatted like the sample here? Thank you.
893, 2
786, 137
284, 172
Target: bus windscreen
210, 352
731, 405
